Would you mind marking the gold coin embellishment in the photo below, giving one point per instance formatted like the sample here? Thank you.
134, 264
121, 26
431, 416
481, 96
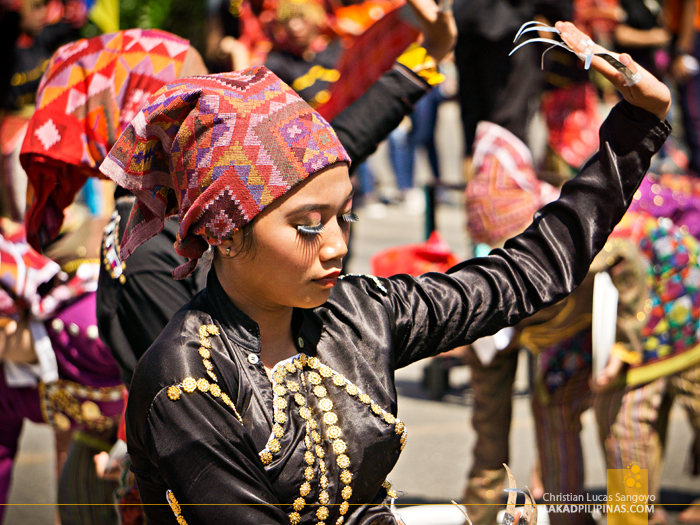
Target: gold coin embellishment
326, 404
339, 380
274, 446
204, 343
305, 413
339, 446
290, 367
280, 417
298, 364
389, 418
352, 390
307, 442
400, 426
213, 329
322, 467
225, 398
404, 437
203, 331
215, 390
314, 378
376, 409
340, 520
299, 400
277, 377
320, 391
344, 506
208, 365
298, 504
365, 399
279, 390
294, 518
265, 458
180, 519
325, 371
324, 498
313, 362
204, 352
386, 484
281, 403
324, 482
303, 359
343, 461
392, 493
212, 375
277, 430
309, 458
189, 385
90, 410
308, 476
333, 432
322, 513
346, 492
315, 436
329, 418
320, 452
312, 424
61, 421
346, 477
174, 393
203, 385
293, 386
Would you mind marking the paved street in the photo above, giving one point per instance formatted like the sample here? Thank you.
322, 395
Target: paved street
433, 466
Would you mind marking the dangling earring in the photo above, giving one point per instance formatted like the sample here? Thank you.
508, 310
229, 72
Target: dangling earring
228, 252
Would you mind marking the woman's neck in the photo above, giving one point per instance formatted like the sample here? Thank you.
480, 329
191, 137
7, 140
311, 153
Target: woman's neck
275, 325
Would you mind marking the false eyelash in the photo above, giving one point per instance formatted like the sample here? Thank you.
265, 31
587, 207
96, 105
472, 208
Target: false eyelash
349, 217
310, 230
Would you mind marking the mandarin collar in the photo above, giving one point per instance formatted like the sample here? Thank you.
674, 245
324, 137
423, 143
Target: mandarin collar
306, 326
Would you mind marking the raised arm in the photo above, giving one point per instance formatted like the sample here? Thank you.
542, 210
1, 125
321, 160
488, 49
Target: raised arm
436, 312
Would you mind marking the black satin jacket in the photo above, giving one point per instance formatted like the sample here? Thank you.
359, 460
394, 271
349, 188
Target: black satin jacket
205, 423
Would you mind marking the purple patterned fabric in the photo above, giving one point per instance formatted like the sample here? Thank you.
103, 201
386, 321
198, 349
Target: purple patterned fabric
217, 150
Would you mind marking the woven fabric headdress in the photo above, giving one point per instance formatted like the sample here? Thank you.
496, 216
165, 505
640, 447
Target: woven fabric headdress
216, 150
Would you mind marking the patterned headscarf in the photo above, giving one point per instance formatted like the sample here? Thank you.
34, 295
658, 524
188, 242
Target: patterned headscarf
91, 90
505, 192
216, 150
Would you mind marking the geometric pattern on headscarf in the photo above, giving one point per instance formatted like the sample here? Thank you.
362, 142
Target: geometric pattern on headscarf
216, 150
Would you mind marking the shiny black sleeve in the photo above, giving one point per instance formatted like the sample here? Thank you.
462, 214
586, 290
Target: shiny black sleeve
370, 119
199, 446
436, 312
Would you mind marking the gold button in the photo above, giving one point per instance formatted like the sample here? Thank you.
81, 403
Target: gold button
301, 342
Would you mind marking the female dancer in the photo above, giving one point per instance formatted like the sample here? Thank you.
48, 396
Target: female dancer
270, 397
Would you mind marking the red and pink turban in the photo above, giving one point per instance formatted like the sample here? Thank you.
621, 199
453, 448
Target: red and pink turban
216, 150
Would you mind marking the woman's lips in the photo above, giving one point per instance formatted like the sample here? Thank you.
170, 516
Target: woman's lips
329, 280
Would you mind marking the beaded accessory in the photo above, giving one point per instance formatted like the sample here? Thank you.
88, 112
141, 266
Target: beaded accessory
190, 384
61, 403
110, 249
175, 507
286, 394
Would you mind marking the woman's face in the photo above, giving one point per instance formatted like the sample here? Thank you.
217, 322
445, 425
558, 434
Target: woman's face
299, 244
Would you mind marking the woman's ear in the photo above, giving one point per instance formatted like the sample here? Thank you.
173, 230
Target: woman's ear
230, 247
226, 248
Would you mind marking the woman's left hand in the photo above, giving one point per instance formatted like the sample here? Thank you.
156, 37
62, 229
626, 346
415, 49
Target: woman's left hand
649, 93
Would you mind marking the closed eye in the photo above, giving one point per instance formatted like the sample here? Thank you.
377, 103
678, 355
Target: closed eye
349, 217
310, 230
